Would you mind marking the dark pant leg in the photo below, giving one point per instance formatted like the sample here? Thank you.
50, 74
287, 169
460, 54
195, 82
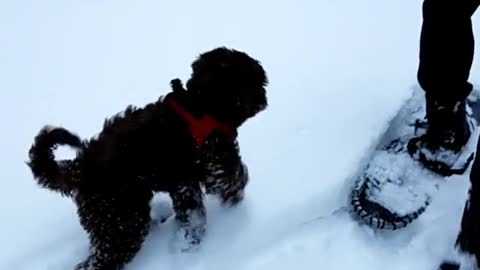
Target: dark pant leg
446, 48
469, 237
446, 56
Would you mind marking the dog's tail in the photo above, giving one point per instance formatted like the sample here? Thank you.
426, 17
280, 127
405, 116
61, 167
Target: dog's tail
58, 176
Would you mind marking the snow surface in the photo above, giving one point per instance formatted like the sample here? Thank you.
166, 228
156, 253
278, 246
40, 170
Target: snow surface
339, 70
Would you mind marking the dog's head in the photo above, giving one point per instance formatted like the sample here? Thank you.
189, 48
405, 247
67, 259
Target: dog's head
229, 84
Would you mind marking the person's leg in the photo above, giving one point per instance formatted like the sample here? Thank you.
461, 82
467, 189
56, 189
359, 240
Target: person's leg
468, 240
446, 48
469, 237
446, 56
454, 67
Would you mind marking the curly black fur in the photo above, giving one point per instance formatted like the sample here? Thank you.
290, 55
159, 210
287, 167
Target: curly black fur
49, 173
146, 150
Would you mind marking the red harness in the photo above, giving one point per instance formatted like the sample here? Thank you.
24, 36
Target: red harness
201, 128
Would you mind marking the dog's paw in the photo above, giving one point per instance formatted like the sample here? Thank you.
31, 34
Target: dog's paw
188, 239
234, 193
233, 200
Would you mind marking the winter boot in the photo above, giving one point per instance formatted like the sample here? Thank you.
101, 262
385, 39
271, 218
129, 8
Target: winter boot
439, 142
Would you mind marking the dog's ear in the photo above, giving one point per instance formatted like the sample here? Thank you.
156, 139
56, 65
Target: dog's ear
177, 85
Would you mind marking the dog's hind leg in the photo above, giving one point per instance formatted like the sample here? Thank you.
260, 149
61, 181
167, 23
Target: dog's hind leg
190, 215
117, 227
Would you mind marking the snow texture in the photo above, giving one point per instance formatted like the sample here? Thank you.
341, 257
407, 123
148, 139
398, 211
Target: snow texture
411, 186
339, 70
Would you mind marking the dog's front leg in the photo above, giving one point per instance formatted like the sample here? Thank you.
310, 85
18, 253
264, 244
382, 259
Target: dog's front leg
228, 183
190, 215
226, 174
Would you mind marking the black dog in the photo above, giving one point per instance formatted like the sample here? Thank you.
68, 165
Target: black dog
179, 145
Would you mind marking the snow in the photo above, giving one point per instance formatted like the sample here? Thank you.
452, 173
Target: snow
398, 196
339, 70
